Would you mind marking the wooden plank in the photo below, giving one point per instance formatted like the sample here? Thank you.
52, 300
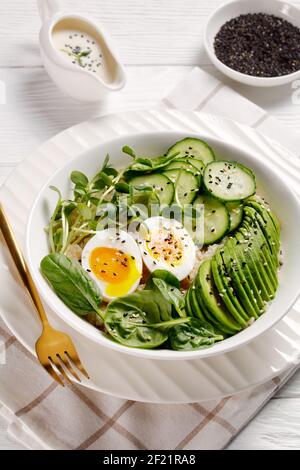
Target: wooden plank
151, 32
276, 427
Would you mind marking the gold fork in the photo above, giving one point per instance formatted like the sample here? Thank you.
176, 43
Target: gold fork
55, 349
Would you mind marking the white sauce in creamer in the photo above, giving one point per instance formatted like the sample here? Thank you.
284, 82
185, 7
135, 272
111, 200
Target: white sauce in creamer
82, 46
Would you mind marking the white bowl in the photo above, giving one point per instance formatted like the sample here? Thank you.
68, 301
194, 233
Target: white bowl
270, 184
235, 8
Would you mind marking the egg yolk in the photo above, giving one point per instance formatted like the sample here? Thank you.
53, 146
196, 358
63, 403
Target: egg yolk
115, 268
165, 246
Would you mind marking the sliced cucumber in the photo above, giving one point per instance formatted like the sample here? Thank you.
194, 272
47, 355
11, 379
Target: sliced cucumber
191, 147
216, 218
160, 182
181, 164
229, 181
235, 210
198, 164
186, 185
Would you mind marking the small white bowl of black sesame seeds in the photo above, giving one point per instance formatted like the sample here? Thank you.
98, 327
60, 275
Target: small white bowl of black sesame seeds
255, 42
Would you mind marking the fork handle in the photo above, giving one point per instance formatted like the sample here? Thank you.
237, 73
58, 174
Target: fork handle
21, 265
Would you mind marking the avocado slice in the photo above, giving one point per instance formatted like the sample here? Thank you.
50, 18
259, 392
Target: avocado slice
212, 300
195, 305
188, 306
267, 229
266, 262
258, 285
208, 315
266, 207
245, 275
239, 282
225, 290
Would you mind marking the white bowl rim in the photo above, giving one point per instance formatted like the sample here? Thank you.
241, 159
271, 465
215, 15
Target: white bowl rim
159, 354
251, 80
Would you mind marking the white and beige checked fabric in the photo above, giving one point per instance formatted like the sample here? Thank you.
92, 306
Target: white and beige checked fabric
43, 415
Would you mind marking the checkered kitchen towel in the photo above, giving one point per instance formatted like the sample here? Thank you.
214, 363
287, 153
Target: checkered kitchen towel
43, 415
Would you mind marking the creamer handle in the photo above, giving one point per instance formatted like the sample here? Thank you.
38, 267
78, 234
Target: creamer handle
47, 8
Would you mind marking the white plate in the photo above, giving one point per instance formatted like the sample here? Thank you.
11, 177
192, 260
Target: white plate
139, 378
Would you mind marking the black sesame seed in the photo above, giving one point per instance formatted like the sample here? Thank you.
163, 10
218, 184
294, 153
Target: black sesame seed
260, 45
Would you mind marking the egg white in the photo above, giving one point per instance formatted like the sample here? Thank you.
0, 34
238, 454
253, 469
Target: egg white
118, 240
155, 225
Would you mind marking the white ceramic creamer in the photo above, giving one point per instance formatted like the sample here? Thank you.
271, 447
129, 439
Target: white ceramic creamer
78, 54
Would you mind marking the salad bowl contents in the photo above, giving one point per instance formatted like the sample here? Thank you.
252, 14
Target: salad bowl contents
177, 252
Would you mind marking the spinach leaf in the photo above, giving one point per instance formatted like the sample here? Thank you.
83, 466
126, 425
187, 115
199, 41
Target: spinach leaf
71, 283
195, 334
168, 290
142, 319
171, 294
130, 324
167, 277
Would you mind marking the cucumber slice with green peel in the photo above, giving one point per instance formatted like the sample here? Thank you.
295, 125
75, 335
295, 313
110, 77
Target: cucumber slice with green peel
253, 260
198, 164
238, 283
256, 255
191, 147
228, 181
182, 164
221, 280
160, 182
243, 265
216, 218
235, 210
186, 187
212, 299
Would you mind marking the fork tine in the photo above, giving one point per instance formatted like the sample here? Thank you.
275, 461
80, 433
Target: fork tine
75, 359
58, 365
51, 371
65, 360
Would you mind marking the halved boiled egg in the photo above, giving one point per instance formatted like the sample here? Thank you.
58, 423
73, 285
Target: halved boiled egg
113, 260
166, 244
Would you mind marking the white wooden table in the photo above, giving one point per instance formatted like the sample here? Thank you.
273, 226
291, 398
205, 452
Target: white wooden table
158, 41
